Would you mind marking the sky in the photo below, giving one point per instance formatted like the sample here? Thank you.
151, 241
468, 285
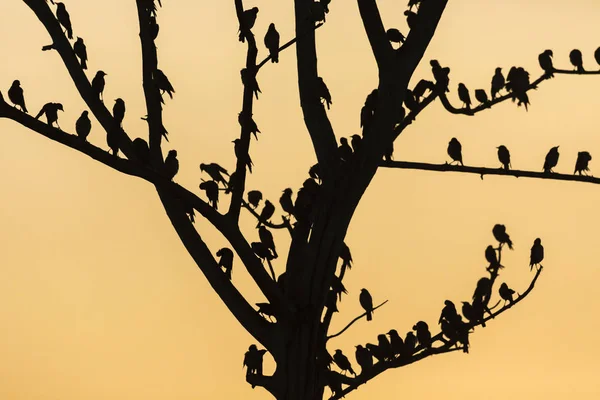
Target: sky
99, 299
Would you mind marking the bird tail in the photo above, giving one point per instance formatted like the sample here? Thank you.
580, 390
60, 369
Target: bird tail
510, 244
369, 315
70, 33
83, 64
40, 113
580, 69
25, 108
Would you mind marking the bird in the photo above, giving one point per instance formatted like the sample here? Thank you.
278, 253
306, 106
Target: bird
62, 15
254, 198
286, 202
344, 150
441, 76
15, 94
551, 159
215, 171
423, 334
81, 52
577, 60
266, 238
481, 96
323, 92
346, 257
388, 155
421, 87
253, 360
141, 150
499, 232
98, 84
119, 111
266, 213
455, 151
384, 346
517, 82
162, 83
545, 60
492, 258
337, 287
249, 80
242, 154
396, 342
83, 126
113, 139
583, 159
410, 101
315, 172
153, 27
226, 260
248, 19
395, 36
376, 352
464, 96
366, 302
506, 293
211, 188
498, 82
448, 312
248, 123
355, 141
411, 19
597, 55
504, 156
51, 110
272, 43
413, 3
410, 343
342, 362
325, 5
482, 290
364, 358
317, 11
537, 253
171, 164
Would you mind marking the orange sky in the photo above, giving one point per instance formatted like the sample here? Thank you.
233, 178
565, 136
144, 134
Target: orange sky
100, 300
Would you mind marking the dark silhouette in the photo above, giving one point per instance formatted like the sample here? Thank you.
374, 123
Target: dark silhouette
323, 92
226, 260
346, 257
517, 82
421, 87
211, 188
249, 81
248, 20
396, 343
62, 15
506, 293
583, 160
254, 197
163, 84
286, 202
504, 157
385, 347
410, 344
83, 126
141, 150
492, 258
395, 36
81, 52
464, 96
113, 139
15, 94
253, 361
51, 110
551, 160
266, 213
355, 141
455, 151
266, 310
441, 75
272, 43
412, 19
545, 60
499, 232
498, 82
423, 335
410, 101
171, 164
414, 3
366, 302
242, 154
342, 362
576, 59
344, 150
597, 55
537, 254
449, 313
119, 111
216, 172
248, 123
364, 358
481, 96
98, 84
266, 238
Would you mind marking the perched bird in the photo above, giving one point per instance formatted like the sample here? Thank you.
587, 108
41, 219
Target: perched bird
253, 360
141, 150
410, 344
517, 82
119, 111
242, 154
376, 352
413, 3
83, 126
455, 151
464, 96
545, 60
448, 312
396, 343
323, 92
441, 75
366, 302
421, 87
344, 150
498, 82
62, 15
576, 59
384, 346
272, 43
226, 260
248, 123
266, 238
249, 81
481, 96
597, 55
395, 36
410, 101
583, 159
266, 213
355, 141
81, 52
364, 358
342, 362
315, 172
215, 171
499, 232
337, 287
154, 28
171, 164
537, 254
113, 139
483, 290
334, 382
492, 258
388, 155
211, 188
163, 84
504, 156
411, 19
423, 334
506, 293
261, 251
317, 11
266, 310
248, 19
254, 198
286, 202
98, 84
551, 159
346, 257
15, 94
232, 183
51, 110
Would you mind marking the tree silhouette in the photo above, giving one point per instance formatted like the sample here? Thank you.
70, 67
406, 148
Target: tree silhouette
304, 291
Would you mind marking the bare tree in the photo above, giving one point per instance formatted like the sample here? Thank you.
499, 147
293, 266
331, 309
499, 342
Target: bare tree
293, 325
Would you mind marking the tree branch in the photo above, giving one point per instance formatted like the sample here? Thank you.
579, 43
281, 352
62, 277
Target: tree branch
284, 225
352, 322
488, 171
411, 116
380, 45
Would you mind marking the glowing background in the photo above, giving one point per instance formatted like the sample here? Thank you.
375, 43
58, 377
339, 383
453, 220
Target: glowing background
98, 298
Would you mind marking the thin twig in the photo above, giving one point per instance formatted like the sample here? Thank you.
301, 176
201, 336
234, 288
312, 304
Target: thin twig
353, 321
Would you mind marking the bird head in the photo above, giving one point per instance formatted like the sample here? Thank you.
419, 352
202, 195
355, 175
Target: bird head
202, 167
549, 53
59, 107
236, 141
271, 26
537, 241
356, 137
252, 348
343, 140
448, 303
172, 153
254, 10
288, 191
101, 73
338, 351
498, 70
85, 112
393, 332
16, 82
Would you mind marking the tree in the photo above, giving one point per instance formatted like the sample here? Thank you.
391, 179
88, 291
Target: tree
323, 226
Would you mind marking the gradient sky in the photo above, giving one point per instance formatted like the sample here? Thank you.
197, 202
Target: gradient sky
99, 299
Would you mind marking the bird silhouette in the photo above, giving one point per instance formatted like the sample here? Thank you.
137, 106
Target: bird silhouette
537, 254
492, 258
254, 198
499, 232
385, 347
81, 52
364, 358
411, 19
315, 172
241, 154
504, 157
344, 150
171, 164
506, 293
366, 302
248, 19
423, 335
323, 92
141, 150
551, 159
395, 36
448, 312
232, 183
226, 260
119, 111
211, 188
396, 343
248, 124
51, 111
253, 360
249, 81
421, 87
163, 84
113, 139
576, 59
388, 155
413, 3
498, 82
481, 96
286, 202
215, 171
355, 141
334, 381
261, 251
83, 126
581, 165
410, 101
98, 84
337, 287
376, 352
62, 15
455, 151
517, 82
153, 27
441, 76
464, 96
266, 238
597, 55
325, 4
317, 11
15, 94
342, 362
410, 344
272, 43
266, 213
346, 257
545, 60
483, 290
